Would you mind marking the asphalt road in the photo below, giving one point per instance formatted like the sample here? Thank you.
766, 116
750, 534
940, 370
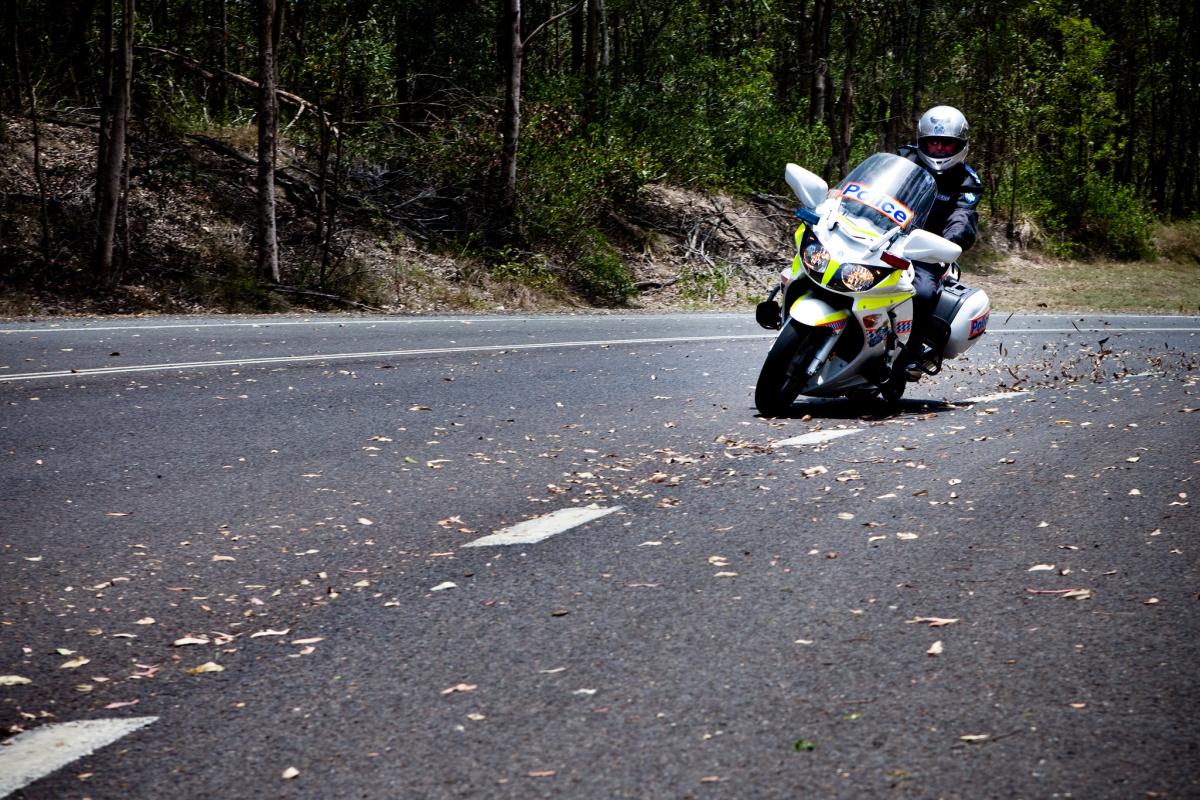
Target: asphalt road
991, 593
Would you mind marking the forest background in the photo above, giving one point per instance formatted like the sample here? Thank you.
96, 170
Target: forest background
426, 154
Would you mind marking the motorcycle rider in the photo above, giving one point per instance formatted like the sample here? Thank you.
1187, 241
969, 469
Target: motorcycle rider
941, 148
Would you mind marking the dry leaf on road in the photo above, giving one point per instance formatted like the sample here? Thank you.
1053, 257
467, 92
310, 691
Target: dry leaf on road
933, 622
460, 687
269, 632
187, 640
121, 704
206, 667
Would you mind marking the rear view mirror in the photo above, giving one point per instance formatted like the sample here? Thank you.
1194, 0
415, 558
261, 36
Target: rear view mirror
810, 189
926, 246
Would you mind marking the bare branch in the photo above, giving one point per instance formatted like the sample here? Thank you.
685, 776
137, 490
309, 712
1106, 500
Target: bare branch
214, 74
550, 21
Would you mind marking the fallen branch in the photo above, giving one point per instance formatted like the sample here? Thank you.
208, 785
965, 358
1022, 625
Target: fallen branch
275, 287
774, 203
731, 224
653, 284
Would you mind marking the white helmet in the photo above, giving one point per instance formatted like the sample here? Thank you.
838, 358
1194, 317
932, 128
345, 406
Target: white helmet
942, 136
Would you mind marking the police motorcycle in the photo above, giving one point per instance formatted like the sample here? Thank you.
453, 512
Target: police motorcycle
848, 296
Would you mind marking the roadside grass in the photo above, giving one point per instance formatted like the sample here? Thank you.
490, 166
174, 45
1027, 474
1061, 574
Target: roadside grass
1162, 286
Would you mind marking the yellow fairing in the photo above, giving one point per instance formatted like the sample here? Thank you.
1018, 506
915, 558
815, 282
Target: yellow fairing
873, 303
797, 264
831, 269
891, 280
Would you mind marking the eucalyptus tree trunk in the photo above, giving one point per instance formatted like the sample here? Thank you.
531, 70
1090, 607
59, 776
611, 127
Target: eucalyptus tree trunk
113, 168
219, 104
592, 63
268, 111
841, 113
512, 104
106, 104
23, 79
515, 51
818, 88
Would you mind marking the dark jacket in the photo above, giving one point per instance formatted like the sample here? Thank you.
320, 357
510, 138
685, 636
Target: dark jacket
953, 215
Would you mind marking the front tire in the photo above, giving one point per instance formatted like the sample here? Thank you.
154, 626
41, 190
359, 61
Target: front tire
782, 375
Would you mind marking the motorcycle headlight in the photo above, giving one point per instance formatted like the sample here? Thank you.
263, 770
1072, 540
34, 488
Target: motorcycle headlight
816, 257
813, 255
857, 277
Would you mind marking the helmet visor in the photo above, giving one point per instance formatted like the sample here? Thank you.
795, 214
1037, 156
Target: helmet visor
941, 146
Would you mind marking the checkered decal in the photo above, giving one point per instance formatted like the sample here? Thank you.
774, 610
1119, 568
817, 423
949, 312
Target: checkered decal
837, 325
904, 326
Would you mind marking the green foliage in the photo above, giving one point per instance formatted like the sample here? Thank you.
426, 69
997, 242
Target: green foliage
715, 123
1113, 220
598, 271
1077, 106
1090, 215
568, 178
531, 270
703, 283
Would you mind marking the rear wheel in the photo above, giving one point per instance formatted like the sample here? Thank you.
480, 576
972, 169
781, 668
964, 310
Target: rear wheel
783, 373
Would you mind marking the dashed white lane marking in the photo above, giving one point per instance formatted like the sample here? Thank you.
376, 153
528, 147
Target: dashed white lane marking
992, 398
535, 530
820, 437
34, 754
242, 362
816, 437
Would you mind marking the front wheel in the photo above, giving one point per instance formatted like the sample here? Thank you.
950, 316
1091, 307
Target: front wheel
783, 375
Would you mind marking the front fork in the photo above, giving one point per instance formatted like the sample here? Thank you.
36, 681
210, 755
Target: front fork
822, 353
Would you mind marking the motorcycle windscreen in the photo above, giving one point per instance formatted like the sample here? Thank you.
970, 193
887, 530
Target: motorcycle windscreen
886, 191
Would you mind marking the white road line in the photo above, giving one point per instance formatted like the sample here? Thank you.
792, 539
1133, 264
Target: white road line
243, 362
992, 398
816, 437
535, 530
34, 754
197, 326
